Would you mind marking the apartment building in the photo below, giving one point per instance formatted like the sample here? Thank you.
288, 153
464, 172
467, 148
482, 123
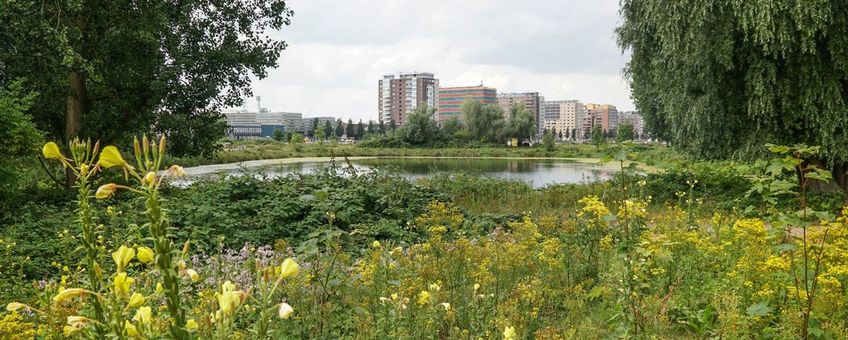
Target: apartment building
603, 115
564, 115
533, 101
398, 95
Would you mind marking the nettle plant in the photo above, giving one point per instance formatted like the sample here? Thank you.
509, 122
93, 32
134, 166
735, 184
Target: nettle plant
149, 298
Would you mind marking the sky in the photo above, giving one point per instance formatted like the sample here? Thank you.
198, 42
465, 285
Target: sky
339, 49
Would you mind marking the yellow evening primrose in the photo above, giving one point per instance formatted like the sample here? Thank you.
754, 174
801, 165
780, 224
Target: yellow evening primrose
424, 297
15, 306
122, 284
51, 151
130, 328
175, 171
149, 179
136, 300
142, 315
78, 321
192, 274
68, 293
376, 244
509, 333
69, 330
145, 254
105, 191
111, 157
191, 325
229, 298
122, 257
289, 268
285, 310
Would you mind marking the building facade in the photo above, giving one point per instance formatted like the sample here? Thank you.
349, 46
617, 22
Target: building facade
243, 124
398, 95
635, 119
531, 100
451, 99
603, 115
566, 117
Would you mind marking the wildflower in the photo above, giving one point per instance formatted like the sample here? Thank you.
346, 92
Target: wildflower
445, 305
476, 286
51, 151
78, 322
142, 315
149, 179
159, 288
192, 274
69, 330
289, 268
122, 284
376, 244
509, 333
129, 328
394, 296
145, 254
285, 311
136, 300
111, 157
15, 306
435, 287
105, 191
423, 297
68, 293
122, 257
229, 298
191, 325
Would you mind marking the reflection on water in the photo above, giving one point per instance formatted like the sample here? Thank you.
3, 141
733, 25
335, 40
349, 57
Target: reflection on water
538, 172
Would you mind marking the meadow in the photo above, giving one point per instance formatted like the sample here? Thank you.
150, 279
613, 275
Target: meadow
699, 250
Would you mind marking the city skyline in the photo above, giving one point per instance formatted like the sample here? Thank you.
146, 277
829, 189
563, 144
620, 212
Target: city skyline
334, 70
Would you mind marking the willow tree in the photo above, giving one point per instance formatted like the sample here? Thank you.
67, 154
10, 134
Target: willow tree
722, 78
110, 69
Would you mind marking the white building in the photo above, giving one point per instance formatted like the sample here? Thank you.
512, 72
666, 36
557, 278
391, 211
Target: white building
402, 93
564, 116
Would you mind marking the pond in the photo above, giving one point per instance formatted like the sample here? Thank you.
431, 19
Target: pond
538, 172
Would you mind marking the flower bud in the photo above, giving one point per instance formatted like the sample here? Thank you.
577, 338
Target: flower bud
192, 274
176, 171
145, 254
105, 191
149, 179
130, 328
15, 306
51, 151
191, 325
136, 300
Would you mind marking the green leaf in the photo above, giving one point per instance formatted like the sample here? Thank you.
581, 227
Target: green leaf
759, 309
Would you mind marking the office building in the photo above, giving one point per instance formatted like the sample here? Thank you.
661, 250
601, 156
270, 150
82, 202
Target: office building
531, 100
451, 99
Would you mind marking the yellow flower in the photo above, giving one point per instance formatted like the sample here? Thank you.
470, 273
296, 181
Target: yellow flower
175, 171
191, 325
51, 151
69, 330
122, 284
122, 257
110, 157
105, 191
142, 315
285, 310
289, 268
159, 288
68, 293
376, 244
135, 300
128, 326
509, 333
435, 287
78, 321
15, 306
424, 297
193, 275
229, 298
149, 179
145, 254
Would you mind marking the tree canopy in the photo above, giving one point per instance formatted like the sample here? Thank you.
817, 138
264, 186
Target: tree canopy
484, 122
111, 69
722, 78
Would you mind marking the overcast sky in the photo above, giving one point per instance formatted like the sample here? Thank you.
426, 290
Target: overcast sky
339, 49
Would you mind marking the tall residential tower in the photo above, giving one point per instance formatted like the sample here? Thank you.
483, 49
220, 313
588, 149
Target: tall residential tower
402, 93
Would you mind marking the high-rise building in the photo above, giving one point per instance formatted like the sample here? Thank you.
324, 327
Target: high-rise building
397, 95
531, 100
603, 115
451, 99
565, 116
635, 119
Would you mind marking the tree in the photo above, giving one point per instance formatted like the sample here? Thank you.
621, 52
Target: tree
597, 136
360, 130
20, 140
314, 126
625, 132
548, 141
339, 131
371, 128
560, 135
321, 133
382, 127
328, 130
112, 69
554, 132
484, 122
568, 134
574, 134
278, 135
296, 138
349, 129
392, 125
450, 128
420, 127
521, 122
722, 79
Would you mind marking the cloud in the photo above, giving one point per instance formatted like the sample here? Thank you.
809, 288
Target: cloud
338, 50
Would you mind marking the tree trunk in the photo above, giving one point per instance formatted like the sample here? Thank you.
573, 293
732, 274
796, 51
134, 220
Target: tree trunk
76, 107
